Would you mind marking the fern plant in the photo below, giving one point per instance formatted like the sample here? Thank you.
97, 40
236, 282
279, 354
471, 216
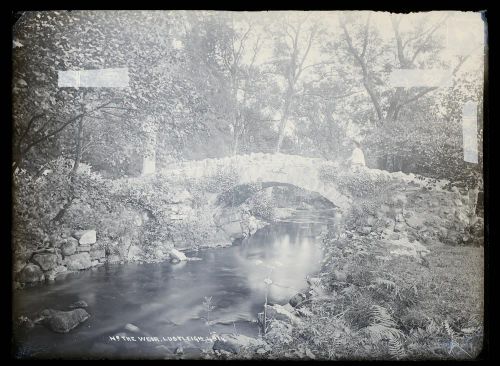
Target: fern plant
396, 348
381, 316
383, 327
388, 284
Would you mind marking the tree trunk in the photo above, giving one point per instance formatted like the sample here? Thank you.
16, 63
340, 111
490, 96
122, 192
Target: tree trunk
283, 122
237, 130
78, 157
236, 142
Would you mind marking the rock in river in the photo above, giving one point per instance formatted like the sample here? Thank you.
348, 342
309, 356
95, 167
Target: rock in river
132, 328
279, 312
175, 254
63, 321
30, 273
297, 299
79, 304
25, 322
46, 261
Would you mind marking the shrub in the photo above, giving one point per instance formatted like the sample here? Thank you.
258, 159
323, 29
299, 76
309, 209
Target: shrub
261, 205
195, 230
123, 212
225, 177
38, 199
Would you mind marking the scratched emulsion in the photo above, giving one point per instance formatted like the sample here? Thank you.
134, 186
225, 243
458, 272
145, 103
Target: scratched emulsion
99, 78
408, 78
469, 126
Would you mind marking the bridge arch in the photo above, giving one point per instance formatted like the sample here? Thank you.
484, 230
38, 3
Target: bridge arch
299, 171
240, 192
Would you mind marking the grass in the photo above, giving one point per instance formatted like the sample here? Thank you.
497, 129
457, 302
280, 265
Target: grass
455, 287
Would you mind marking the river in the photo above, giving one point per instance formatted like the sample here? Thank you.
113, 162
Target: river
167, 300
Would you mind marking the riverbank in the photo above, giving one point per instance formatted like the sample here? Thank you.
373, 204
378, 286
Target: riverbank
166, 300
402, 278
184, 222
365, 308
75, 254
376, 270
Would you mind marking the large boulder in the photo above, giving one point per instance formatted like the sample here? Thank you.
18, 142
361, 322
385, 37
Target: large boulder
279, 312
63, 321
78, 261
30, 273
25, 322
69, 247
297, 299
279, 332
46, 261
132, 328
85, 237
228, 346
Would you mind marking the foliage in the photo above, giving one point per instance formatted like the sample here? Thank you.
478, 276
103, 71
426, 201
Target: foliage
122, 212
224, 178
208, 307
37, 200
393, 308
222, 50
212, 84
261, 205
195, 230
116, 127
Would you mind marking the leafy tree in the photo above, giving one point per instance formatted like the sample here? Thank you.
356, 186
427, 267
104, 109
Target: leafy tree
294, 37
407, 133
223, 49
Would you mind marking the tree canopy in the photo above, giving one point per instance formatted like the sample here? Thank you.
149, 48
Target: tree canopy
210, 84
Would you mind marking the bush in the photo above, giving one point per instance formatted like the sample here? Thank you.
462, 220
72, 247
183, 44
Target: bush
123, 212
224, 179
261, 205
195, 230
38, 199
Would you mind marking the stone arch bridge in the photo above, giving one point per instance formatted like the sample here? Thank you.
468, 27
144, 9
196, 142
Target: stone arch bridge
299, 171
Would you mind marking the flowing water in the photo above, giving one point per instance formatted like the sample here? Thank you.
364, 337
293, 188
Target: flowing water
166, 300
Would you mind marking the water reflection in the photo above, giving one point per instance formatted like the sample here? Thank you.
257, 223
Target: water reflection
286, 259
163, 299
